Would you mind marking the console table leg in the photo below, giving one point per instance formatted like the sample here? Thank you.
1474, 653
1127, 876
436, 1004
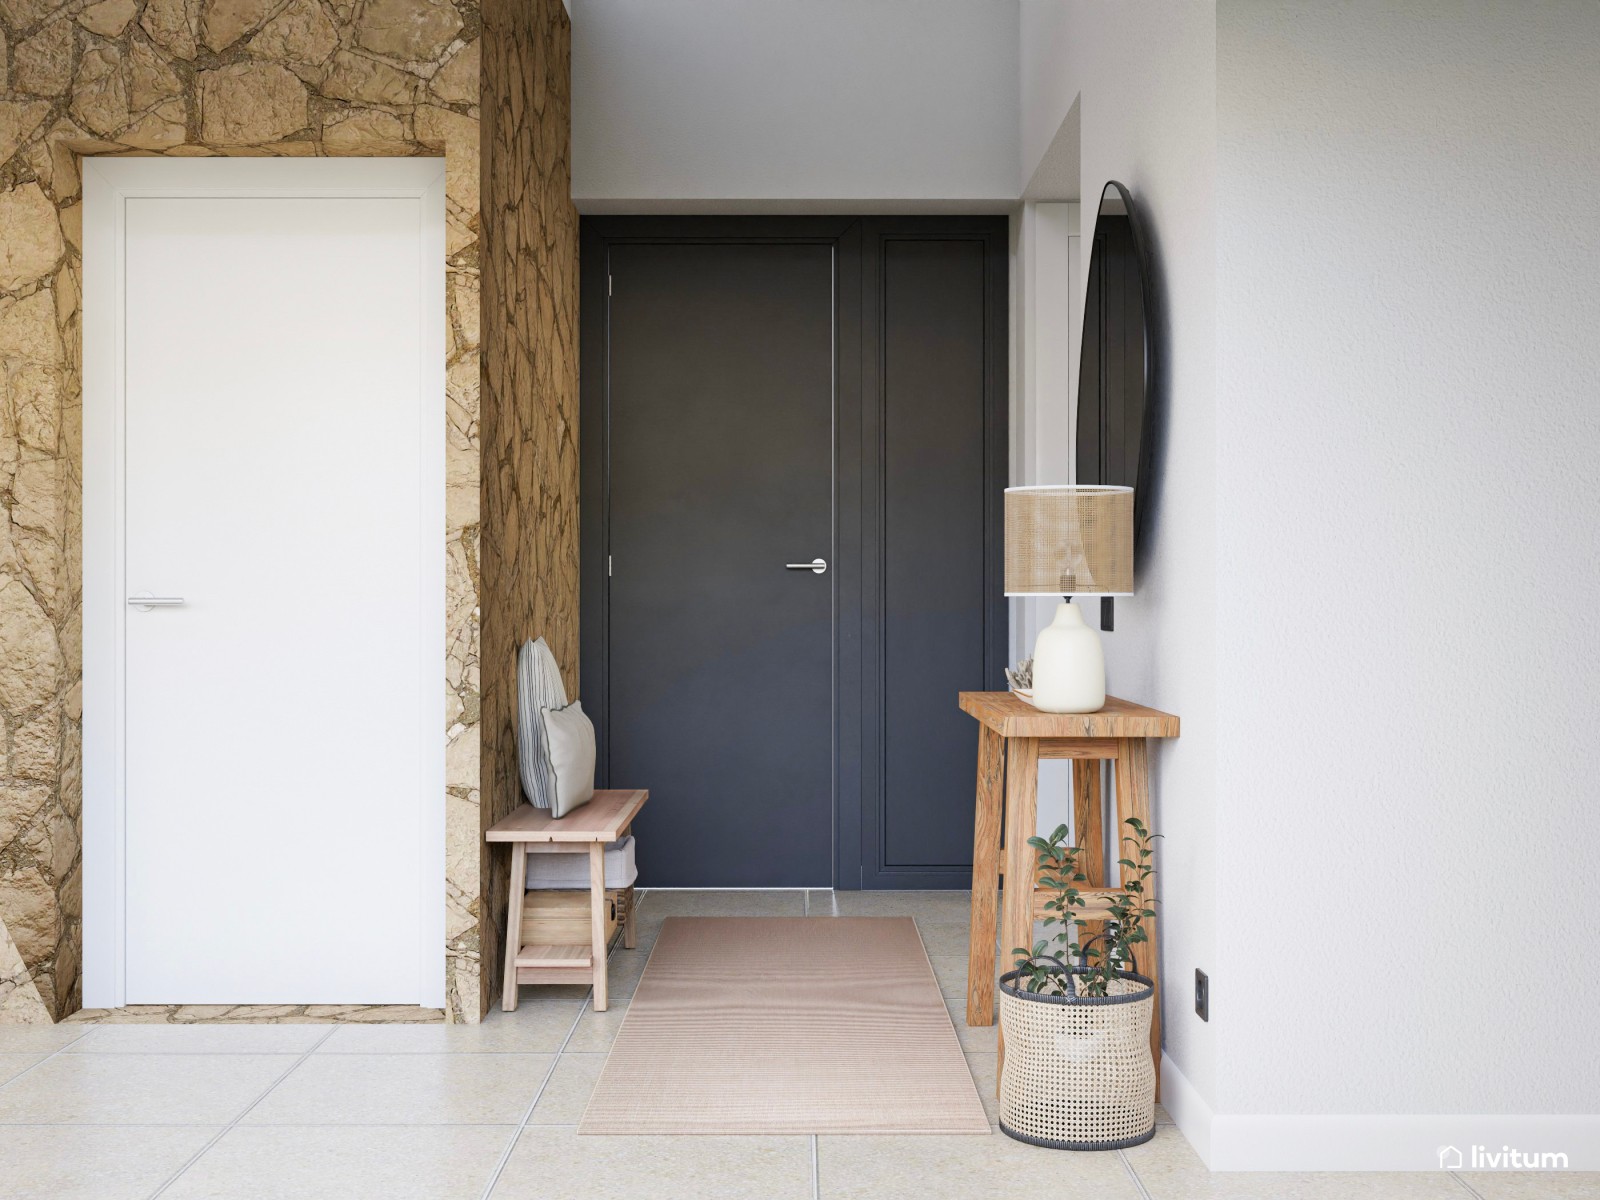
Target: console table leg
985, 878
1088, 830
1022, 819
519, 883
1133, 800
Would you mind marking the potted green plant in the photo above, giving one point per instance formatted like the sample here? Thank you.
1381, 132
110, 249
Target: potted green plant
1076, 1015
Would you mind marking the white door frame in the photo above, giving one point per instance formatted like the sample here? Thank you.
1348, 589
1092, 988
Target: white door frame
107, 184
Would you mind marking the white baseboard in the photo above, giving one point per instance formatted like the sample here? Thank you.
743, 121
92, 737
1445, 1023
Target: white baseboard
1381, 1142
1187, 1108
1399, 1142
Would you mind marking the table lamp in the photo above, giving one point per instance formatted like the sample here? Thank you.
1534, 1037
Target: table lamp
1067, 541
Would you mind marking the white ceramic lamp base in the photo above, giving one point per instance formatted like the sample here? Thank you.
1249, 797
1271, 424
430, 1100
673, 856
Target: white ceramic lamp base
1069, 665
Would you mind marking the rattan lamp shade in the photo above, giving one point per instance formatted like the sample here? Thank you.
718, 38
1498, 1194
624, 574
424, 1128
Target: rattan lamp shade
1069, 541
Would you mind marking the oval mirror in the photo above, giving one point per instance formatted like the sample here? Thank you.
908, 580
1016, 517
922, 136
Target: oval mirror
1118, 360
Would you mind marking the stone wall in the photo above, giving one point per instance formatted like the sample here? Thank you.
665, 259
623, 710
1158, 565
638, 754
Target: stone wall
259, 77
530, 391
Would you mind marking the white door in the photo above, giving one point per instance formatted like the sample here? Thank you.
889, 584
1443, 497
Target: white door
281, 413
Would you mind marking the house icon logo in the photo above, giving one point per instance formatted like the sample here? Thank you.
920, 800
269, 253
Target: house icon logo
1449, 1158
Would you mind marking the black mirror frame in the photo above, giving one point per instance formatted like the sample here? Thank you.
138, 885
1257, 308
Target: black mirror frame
1154, 409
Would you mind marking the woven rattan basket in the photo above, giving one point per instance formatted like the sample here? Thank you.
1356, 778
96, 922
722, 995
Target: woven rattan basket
1077, 1073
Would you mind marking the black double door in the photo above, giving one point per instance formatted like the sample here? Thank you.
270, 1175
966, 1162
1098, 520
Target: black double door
793, 458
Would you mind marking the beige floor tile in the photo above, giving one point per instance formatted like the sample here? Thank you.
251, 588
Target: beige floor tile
552, 1162
93, 1162
1534, 1185
1171, 1170
539, 1025
951, 972
943, 938
12, 1065
659, 904
962, 1168
445, 1162
567, 1094
642, 947
405, 1089
946, 907
199, 1039
140, 1089
623, 972
38, 1039
972, 1037
597, 1030
544, 991
982, 1065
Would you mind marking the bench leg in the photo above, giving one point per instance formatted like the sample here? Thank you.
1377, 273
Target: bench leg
597, 920
519, 883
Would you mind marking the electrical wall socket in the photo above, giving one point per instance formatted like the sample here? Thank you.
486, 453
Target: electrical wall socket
1202, 995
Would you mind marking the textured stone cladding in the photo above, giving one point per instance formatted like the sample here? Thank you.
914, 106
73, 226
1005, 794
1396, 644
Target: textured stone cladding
530, 392
194, 77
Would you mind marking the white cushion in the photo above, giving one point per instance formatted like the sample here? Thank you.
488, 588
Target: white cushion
569, 738
572, 870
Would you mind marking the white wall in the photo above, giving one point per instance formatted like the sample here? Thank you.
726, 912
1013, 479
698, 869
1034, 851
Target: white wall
701, 105
1143, 75
1409, 344
1044, 277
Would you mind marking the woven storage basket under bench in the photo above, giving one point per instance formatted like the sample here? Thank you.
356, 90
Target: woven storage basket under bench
562, 936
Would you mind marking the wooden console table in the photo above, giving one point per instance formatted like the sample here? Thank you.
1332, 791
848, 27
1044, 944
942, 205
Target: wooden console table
587, 830
1012, 737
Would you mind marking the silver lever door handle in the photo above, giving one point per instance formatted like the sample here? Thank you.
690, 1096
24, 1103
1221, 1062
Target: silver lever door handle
146, 603
816, 566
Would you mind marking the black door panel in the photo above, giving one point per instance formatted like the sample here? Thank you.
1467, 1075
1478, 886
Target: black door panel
764, 391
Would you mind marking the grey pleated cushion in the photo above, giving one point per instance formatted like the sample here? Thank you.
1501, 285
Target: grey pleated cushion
538, 686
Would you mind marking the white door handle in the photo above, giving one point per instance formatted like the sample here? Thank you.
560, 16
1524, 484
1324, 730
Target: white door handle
146, 603
816, 566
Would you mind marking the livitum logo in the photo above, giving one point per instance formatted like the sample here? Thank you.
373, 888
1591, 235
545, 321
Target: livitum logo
1507, 1158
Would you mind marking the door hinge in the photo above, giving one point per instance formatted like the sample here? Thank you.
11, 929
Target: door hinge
608, 566
608, 285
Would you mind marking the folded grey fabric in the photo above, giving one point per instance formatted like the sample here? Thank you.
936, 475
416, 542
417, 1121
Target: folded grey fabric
538, 686
569, 871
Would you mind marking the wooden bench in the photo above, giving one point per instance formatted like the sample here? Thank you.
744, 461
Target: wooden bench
582, 959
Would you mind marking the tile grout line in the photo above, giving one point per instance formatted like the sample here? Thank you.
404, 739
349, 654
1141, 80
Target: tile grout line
555, 1061
62, 1049
248, 1109
1471, 1191
538, 1094
1133, 1175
